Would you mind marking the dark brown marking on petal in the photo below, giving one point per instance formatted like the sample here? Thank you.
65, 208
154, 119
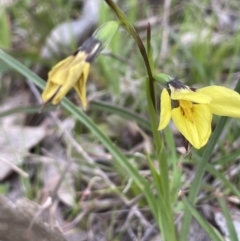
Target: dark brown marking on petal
193, 89
188, 147
92, 47
175, 103
176, 84
49, 100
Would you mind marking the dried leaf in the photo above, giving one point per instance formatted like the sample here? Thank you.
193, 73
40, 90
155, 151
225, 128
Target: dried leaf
15, 220
15, 141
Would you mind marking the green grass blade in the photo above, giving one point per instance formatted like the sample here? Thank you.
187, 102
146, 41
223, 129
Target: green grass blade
226, 159
204, 224
22, 69
224, 180
24, 109
106, 107
5, 29
94, 105
165, 219
229, 221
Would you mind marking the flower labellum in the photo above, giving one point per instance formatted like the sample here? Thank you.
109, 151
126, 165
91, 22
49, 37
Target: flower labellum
193, 109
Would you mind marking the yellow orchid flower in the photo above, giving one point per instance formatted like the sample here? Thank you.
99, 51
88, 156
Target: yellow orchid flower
192, 109
71, 72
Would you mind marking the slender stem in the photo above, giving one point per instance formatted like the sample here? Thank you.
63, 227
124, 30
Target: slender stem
149, 48
131, 30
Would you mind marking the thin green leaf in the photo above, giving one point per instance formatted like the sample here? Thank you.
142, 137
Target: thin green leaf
24, 109
204, 224
106, 107
229, 221
226, 159
5, 29
223, 179
164, 211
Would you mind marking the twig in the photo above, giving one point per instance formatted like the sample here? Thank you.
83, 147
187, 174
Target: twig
15, 168
87, 191
134, 211
149, 232
75, 221
45, 206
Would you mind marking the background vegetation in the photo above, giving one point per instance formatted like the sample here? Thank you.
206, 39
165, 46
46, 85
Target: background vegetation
104, 169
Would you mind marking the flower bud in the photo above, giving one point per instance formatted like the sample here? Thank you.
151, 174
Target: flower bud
106, 31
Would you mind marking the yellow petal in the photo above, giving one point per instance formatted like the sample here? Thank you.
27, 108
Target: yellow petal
50, 90
72, 75
80, 85
80, 57
225, 102
165, 112
56, 78
59, 72
63, 77
197, 128
189, 95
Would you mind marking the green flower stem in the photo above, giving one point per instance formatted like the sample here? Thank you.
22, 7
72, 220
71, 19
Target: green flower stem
149, 49
165, 222
200, 172
166, 218
131, 30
